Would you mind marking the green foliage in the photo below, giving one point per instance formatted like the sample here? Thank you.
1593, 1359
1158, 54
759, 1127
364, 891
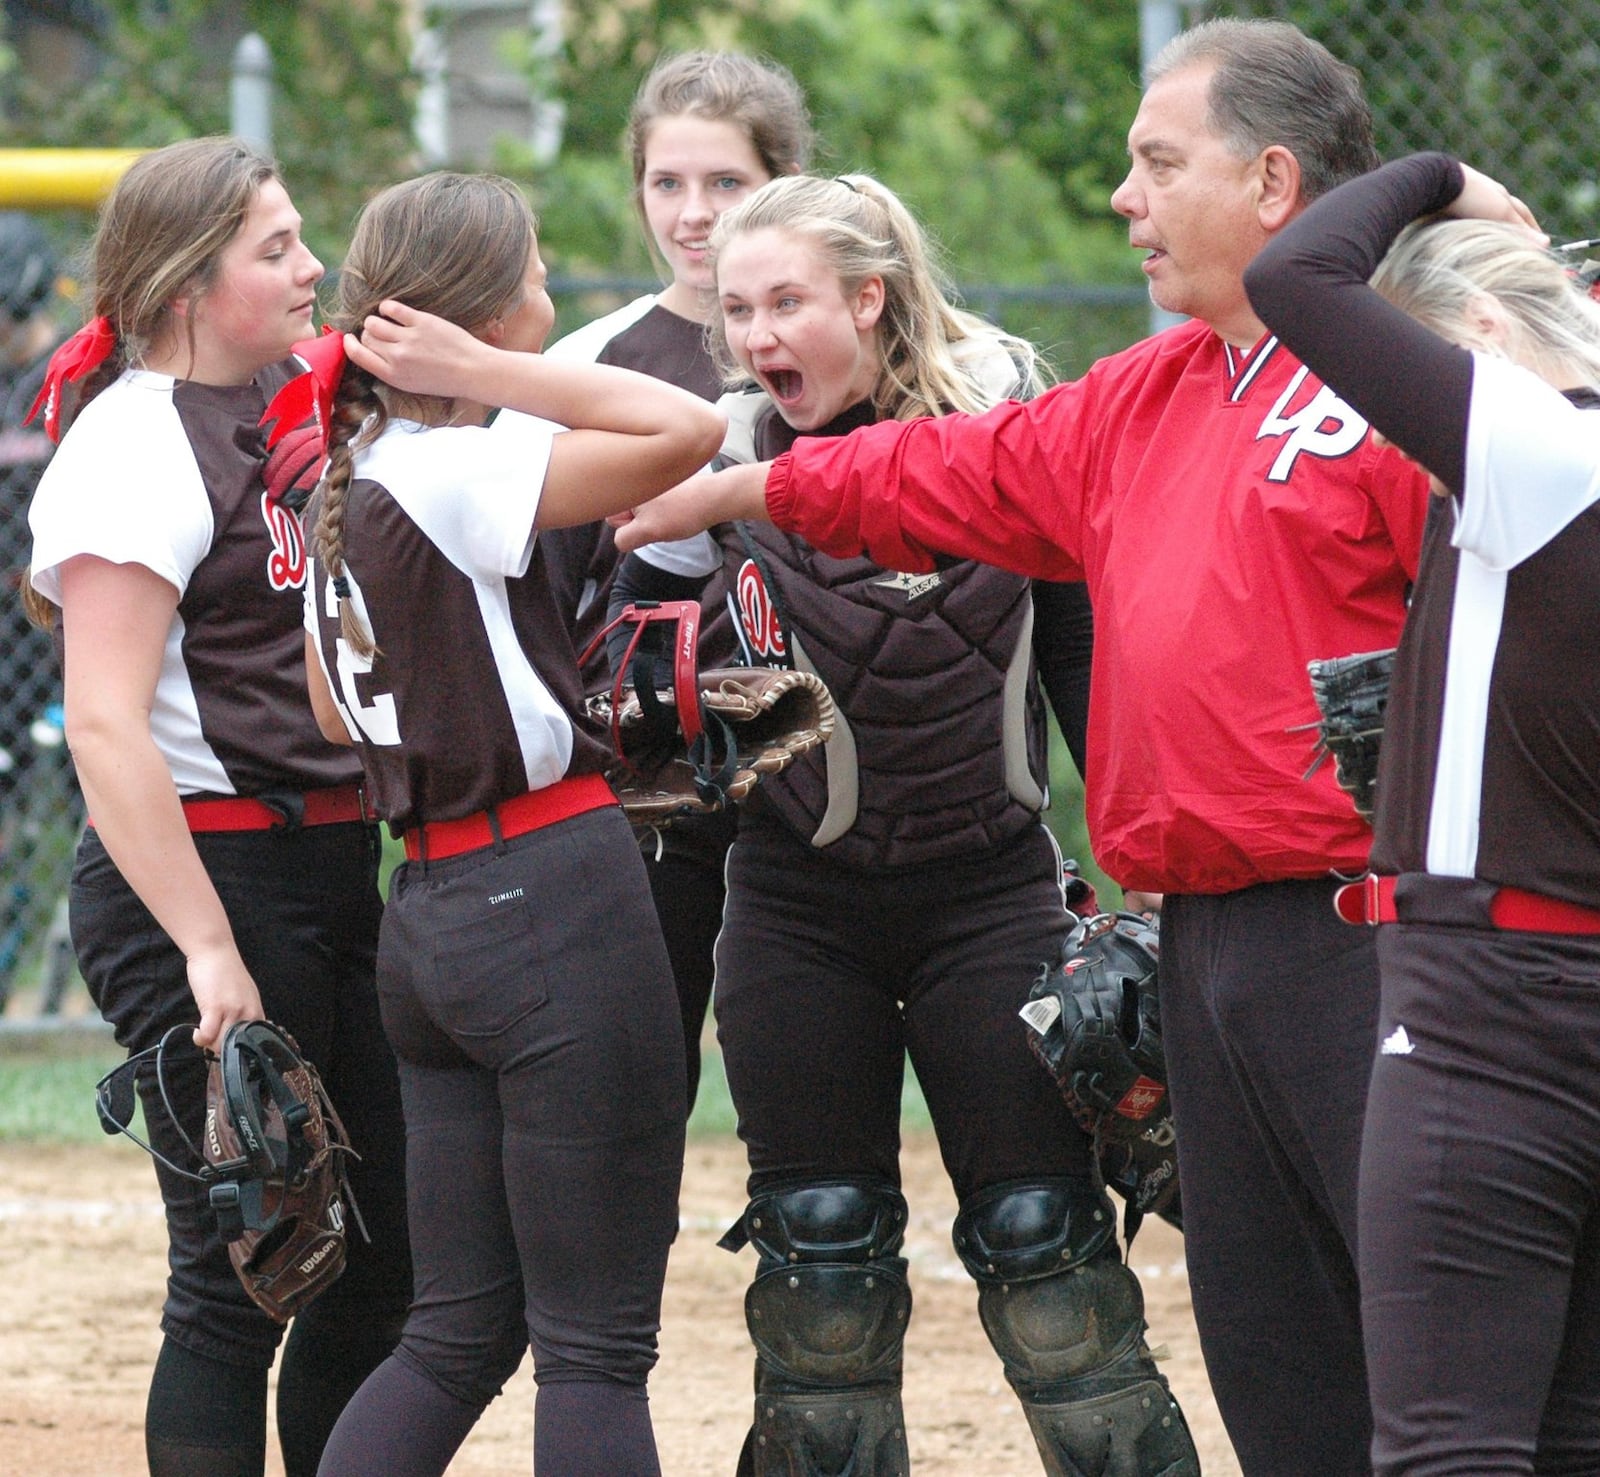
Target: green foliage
342, 106
972, 110
1513, 85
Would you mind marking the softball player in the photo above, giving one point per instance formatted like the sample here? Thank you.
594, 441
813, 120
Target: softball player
894, 895
230, 870
706, 128
1480, 1167
523, 979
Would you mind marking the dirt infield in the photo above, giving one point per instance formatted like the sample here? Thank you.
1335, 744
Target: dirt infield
81, 1267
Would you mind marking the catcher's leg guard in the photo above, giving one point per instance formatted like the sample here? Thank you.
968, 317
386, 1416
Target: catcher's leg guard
1067, 1319
828, 1313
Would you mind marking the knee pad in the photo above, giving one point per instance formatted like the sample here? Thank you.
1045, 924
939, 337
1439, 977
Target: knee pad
829, 1305
839, 1221
1016, 1232
827, 1312
1067, 1320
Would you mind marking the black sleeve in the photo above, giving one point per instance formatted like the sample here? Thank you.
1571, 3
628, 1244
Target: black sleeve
1063, 642
640, 581
1309, 286
574, 556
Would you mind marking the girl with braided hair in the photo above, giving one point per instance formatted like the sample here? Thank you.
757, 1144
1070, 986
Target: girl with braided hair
229, 871
524, 983
892, 896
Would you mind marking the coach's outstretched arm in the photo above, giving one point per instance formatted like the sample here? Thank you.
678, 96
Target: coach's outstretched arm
735, 495
905, 492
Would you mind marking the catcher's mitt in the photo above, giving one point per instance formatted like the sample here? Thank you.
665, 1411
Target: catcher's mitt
273, 1159
1095, 1024
702, 742
1352, 693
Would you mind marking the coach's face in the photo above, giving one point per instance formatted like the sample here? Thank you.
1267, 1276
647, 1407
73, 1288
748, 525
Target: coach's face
1193, 206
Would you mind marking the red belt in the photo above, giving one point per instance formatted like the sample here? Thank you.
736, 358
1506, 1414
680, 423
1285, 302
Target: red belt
293, 810
1371, 900
439, 839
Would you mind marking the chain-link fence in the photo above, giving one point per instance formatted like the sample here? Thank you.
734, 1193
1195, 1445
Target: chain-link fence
1511, 86
40, 810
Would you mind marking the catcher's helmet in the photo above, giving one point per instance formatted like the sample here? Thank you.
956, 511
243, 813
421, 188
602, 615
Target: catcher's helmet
28, 266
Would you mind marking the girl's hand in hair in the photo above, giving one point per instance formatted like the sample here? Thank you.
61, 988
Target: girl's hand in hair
415, 351
1486, 199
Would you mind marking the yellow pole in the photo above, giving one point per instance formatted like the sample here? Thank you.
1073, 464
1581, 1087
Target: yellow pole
34, 178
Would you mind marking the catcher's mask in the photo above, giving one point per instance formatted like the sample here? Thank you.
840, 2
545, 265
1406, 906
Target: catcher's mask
247, 1182
712, 747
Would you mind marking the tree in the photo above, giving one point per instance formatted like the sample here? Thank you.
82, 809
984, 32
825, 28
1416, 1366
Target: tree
342, 118
972, 110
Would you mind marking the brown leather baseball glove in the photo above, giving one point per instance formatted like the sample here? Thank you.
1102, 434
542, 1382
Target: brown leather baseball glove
689, 742
754, 721
277, 1154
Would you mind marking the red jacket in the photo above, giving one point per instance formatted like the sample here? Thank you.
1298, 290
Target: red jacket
1234, 520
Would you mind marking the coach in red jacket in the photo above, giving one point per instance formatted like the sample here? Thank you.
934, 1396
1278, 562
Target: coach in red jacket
1234, 520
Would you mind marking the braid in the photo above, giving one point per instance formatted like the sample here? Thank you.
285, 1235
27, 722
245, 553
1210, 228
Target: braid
354, 404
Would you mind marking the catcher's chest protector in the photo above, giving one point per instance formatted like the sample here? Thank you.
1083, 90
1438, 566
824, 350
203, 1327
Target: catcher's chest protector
932, 678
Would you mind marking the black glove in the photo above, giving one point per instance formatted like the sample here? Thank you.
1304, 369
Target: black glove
1352, 693
1095, 1023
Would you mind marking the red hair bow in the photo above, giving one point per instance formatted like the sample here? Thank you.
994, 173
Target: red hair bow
83, 353
309, 396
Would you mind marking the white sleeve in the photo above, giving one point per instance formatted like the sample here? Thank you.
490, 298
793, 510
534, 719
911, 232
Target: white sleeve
123, 486
587, 342
694, 556
533, 432
1533, 464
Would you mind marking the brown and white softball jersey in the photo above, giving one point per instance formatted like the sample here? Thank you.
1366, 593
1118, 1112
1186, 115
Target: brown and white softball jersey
167, 474
1489, 759
582, 560
473, 696
1488, 767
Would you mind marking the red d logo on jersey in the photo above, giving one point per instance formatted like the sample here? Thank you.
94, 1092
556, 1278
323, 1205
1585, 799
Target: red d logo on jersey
762, 628
286, 564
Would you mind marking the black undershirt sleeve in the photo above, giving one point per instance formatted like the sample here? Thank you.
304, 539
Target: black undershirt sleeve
1063, 642
640, 581
1309, 286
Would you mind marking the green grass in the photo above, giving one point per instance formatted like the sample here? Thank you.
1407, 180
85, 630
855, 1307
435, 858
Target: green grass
47, 1087
47, 1091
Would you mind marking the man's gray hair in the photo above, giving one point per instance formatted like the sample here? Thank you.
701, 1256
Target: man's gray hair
1274, 85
